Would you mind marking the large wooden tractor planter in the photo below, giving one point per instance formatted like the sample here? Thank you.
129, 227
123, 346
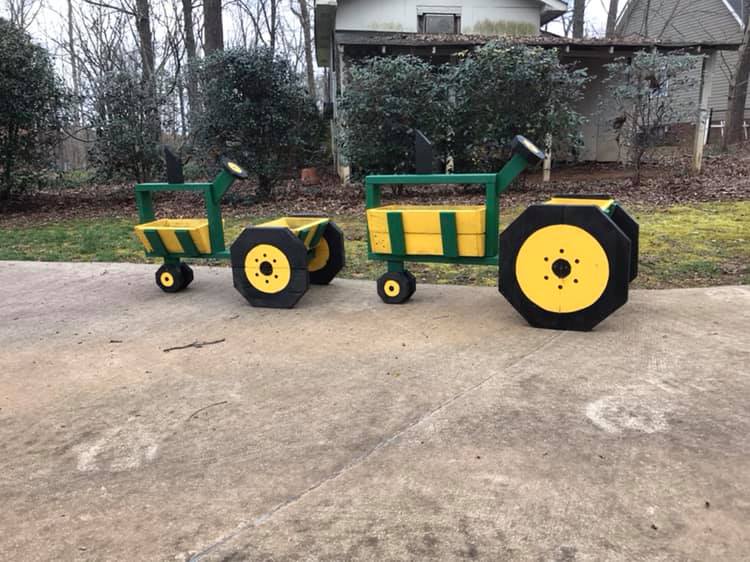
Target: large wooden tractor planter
273, 263
564, 264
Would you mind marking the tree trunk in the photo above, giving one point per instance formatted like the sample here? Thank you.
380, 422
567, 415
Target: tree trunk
214, 31
146, 40
74, 66
579, 6
738, 89
304, 17
148, 78
11, 140
273, 26
192, 84
612, 18
265, 188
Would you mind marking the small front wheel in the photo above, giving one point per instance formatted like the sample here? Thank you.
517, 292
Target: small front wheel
170, 278
395, 287
412, 283
187, 273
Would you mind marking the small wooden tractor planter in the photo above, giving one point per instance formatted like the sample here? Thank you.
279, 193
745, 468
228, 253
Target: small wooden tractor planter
564, 264
272, 263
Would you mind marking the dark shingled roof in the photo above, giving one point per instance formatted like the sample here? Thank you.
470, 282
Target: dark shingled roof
403, 39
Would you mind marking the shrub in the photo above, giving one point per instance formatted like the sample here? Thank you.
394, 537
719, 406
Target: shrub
126, 137
642, 89
31, 101
383, 101
502, 90
471, 110
257, 111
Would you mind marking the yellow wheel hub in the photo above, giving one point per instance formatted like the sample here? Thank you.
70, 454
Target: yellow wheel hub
562, 268
320, 257
267, 268
166, 279
392, 288
234, 167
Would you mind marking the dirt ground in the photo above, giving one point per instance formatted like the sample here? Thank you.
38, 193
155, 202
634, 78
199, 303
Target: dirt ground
668, 182
144, 426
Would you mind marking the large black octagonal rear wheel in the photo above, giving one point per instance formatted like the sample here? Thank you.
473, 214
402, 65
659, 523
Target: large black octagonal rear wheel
564, 267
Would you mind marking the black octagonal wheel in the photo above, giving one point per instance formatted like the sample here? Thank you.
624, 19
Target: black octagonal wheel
269, 267
565, 267
328, 256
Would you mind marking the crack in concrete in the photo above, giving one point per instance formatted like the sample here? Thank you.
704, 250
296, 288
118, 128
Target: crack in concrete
258, 521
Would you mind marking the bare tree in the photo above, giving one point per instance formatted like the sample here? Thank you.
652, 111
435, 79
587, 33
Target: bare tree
74, 65
738, 87
579, 8
191, 53
23, 12
304, 18
213, 26
267, 25
611, 18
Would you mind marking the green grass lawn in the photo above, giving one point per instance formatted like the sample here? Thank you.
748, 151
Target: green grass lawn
681, 246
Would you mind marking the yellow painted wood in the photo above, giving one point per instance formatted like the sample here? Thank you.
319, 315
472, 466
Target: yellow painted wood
392, 288
198, 229
422, 235
295, 224
589, 268
469, 245
320, 257
603, 204
166, 279
267, 268
425, 219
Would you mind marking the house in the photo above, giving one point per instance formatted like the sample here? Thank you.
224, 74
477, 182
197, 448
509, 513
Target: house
695, 21
350, 30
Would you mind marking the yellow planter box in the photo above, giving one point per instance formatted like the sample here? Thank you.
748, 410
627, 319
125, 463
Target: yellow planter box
303, 227
422, 232
167, 228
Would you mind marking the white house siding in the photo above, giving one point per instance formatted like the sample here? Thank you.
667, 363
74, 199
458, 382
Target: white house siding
690, 20
599, 136
486, 17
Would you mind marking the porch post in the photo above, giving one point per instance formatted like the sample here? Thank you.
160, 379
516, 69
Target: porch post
547, 166
343, 170
702, 121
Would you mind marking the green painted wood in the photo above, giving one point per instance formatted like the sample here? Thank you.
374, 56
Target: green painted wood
449, 234
510, 171
302, 234
144, 202
186, 241
429, 179
488, 260
156, 244
396, 233
319, 231
173, 186
372, 193
215, 224
491, 218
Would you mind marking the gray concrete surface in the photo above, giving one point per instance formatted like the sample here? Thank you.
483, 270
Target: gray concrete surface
350, 430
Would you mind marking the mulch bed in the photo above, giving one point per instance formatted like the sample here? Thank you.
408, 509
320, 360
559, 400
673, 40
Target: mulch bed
725, 178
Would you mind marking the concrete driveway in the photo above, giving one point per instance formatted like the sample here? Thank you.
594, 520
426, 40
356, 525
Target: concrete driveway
346, 429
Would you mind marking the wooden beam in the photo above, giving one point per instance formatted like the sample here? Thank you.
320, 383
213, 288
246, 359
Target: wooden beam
707, 71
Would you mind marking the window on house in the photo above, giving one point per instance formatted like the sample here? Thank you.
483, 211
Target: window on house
439, 23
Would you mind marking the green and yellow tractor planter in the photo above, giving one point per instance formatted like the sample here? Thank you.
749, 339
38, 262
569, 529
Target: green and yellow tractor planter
564, 264
273, 263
